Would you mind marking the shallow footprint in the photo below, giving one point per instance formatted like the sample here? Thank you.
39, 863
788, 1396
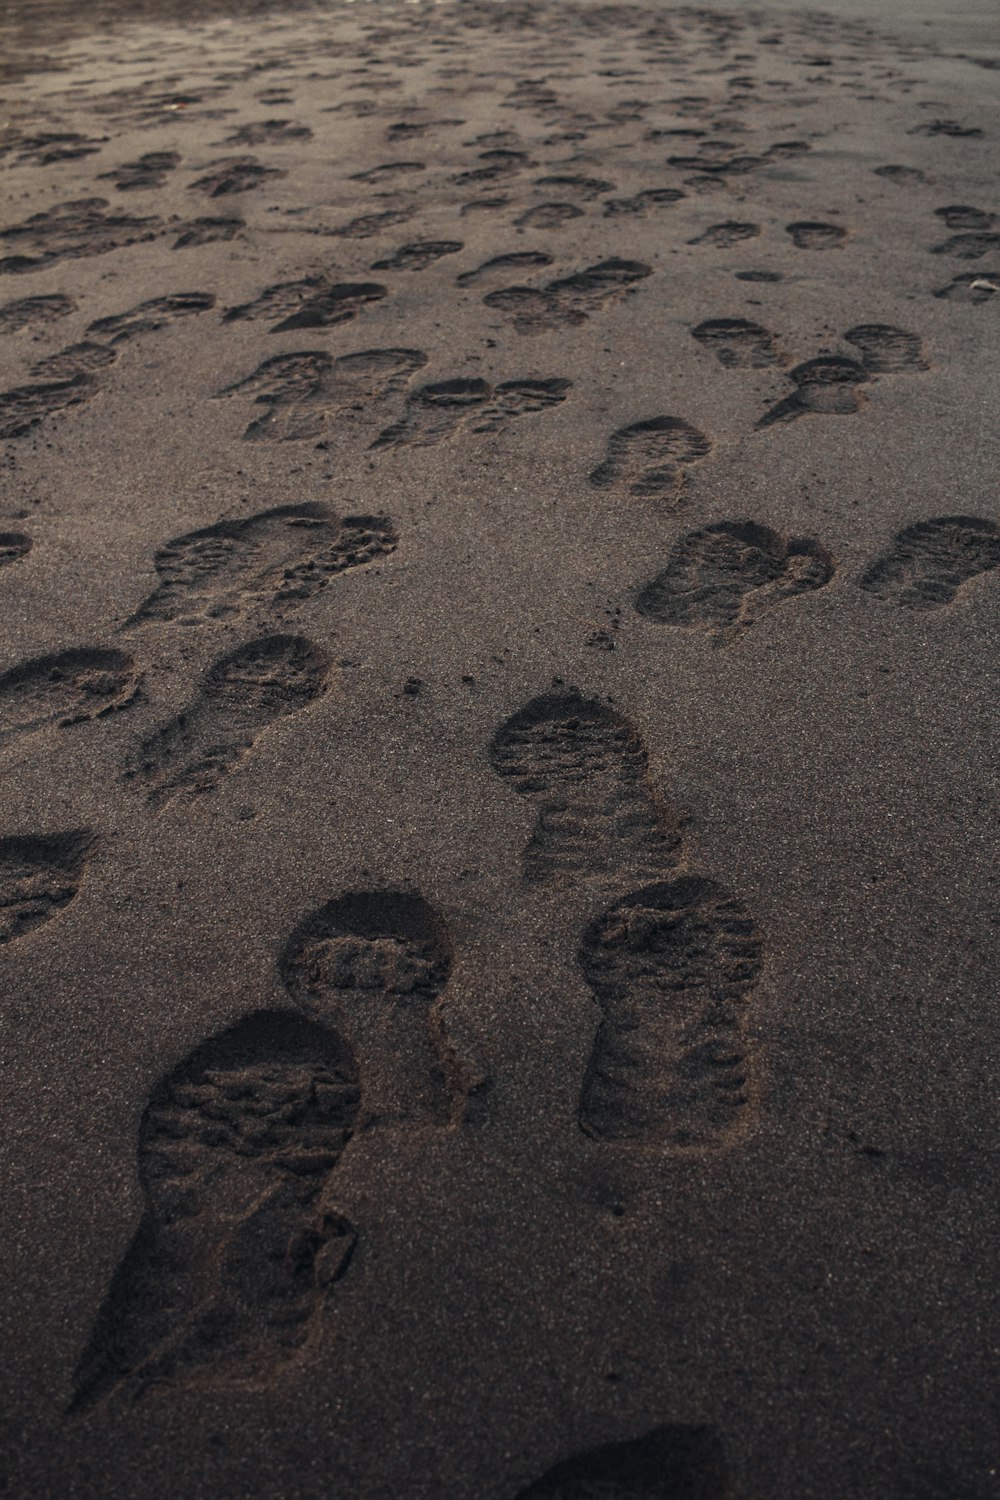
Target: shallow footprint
277, 558
241, 695
737, 343
669, 1463
231, 1268
671, 967
374, 964
585, 768
808, 235
38, 876
927, 564
13, 546
722, 236
649, 457
65, 688
886, 350
438, 411
720, 577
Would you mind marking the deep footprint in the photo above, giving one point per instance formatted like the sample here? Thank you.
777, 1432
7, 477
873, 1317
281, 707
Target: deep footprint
418, 255
241, 695
302, 392
671, 967
65, 688
276, 559
439, 411
719, 578
230, 1271
649, 458
669, 1463
585, 768
927, 564
738, 344
374, 964
38, 877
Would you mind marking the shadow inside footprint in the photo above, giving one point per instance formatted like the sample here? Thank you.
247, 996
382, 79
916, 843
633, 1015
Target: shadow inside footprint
719, 578
669, 1463
374, 963
232, 1265
671, 967
927, 564
649, 457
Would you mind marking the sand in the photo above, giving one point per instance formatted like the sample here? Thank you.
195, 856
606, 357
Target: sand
499, 555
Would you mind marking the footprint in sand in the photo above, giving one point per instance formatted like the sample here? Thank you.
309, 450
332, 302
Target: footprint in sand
809, 235
439, 411
642, 203
569, 300
31, 312
738, 344
39, 874
722, 236
972, 286
501, 265
964, 216
241, 695
13, 546
374, 964
669, 1463
886, 350
927, 564
649, 458
548, 216
71, 375
150, 171
302, 392
312, 302
278, 558
235, 174
585, 769
234, 1264
829, 385
418, 255
671, 967
962, 246
719, 578
236, 1255
67, 687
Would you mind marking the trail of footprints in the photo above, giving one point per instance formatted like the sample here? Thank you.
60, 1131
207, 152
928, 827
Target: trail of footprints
242, 1243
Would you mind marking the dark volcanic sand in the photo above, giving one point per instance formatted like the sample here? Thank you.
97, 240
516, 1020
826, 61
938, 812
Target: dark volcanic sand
498, 921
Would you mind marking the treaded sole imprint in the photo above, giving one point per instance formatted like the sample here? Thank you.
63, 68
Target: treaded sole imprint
277, 558
374, 964
241, 696
671, 967
719, 578
649, 458
585, 768
668, 1463
39, 874
65, 688
927, 564
232, 1267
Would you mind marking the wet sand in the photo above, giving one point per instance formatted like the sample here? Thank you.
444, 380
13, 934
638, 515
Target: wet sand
499, 556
